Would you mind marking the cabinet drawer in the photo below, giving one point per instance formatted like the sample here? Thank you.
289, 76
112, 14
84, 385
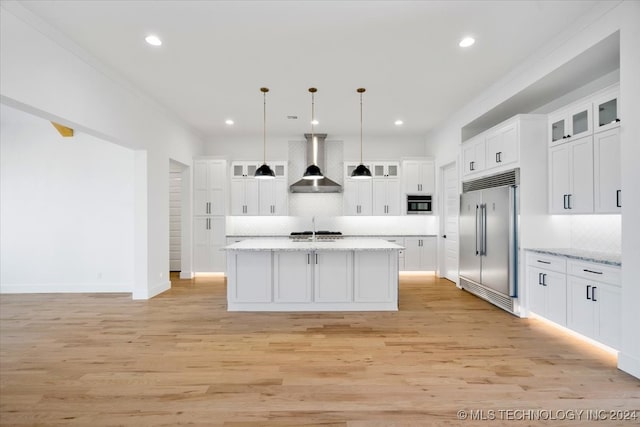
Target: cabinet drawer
547, 262
597, 272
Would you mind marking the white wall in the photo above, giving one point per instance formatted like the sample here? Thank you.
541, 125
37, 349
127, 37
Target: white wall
66, 218
44, 73
374, 148
607, 18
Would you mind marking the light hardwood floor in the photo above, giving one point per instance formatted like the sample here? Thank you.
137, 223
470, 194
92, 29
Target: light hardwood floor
180, 358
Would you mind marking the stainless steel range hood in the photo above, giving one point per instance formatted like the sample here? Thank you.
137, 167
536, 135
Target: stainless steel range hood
315, 155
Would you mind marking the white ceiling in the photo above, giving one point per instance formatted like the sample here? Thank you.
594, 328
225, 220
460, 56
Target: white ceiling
217, 54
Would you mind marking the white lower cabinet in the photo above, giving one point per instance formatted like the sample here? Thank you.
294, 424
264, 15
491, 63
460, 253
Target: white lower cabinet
374, 272
292, 276
420, 253
253, 284
547, 288
208, 243
333, 276
583, 296
594, 308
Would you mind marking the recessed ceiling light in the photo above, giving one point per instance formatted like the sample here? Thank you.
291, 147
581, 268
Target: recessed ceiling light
229, 121
314, 122
466, 42
153, 40
398, 123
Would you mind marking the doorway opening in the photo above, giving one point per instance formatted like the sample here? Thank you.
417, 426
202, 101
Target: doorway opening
449, 224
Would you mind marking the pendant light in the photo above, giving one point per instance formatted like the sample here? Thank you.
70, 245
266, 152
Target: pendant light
361, 172
313, 171
264, 171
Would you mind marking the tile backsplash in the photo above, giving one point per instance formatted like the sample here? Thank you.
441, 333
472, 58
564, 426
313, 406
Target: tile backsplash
602, 233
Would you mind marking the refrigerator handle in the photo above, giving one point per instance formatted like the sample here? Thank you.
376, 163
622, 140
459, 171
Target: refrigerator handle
513, 242
483, 231
477, 235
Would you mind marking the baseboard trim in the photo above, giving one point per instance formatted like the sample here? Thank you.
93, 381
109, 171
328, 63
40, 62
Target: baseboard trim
629, 364
69, 288
158, 288
186, 275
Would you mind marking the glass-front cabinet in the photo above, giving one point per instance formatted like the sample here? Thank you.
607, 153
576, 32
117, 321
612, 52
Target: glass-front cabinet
571, 123
607, 110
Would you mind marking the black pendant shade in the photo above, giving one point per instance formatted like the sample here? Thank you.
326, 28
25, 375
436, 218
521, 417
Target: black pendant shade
264, 172
361, 172
313, 172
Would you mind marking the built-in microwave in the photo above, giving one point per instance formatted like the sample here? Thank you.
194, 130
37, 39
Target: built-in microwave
419, 204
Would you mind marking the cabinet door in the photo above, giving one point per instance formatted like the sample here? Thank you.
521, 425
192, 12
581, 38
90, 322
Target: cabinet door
217, 242
555, 285
350, 197
537, 292
281, 200
393, 197
428, 253
216, 174
379, 197
412, 255
581, 309
607, 180
580, 120
558, 129
202, 257
237, 197
411, 172
252, 284
428, 180
251, 197
376, 279
606, 110
608, 322
292, 276
333, 276
506, 149
267, 189
365, 196
581, 167
470, 157
559, 178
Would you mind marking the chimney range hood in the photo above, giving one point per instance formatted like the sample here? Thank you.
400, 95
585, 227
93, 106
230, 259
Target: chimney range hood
315, 155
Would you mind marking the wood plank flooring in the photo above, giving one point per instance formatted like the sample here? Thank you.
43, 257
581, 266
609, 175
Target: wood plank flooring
180, 358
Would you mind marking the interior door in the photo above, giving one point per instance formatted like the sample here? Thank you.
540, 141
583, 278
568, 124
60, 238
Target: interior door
469, 254
450, 223
496, 210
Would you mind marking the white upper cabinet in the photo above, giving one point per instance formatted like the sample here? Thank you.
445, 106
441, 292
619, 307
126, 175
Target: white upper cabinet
386, 196
251, 196
357, 197
606, 109
209, 181
418, 176
607, 180
502, 145
571, 177
584, 172
572, 122
474, 155
386, 170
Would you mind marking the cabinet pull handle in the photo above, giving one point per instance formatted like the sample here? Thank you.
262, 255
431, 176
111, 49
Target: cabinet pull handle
569, 201
565, 201
471, 164
539, 278
593, 294
308, 262
591, 271
316, 259
588, 288
617, 120
544, 279
618, 204
543, 262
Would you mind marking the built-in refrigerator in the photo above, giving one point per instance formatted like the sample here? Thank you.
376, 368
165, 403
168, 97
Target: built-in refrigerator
488, 228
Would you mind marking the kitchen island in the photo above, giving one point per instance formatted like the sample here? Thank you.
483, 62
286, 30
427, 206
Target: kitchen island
334, 275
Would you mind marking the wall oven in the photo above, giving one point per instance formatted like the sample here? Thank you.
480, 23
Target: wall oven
419, 204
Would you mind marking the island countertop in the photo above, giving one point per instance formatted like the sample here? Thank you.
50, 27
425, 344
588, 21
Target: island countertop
344, 244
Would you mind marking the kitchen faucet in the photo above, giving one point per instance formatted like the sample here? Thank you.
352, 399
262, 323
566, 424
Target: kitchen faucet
313, 223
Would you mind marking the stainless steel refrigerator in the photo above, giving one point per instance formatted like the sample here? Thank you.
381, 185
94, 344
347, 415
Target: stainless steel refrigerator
489, 238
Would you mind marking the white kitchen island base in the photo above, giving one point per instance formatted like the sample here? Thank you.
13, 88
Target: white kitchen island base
281, 275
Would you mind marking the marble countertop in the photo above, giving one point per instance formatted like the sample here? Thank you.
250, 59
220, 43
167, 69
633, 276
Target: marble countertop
345, 244
607, 258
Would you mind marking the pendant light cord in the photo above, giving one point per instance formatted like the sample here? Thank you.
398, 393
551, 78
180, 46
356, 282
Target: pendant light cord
313, 91
264, 127
360, 127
